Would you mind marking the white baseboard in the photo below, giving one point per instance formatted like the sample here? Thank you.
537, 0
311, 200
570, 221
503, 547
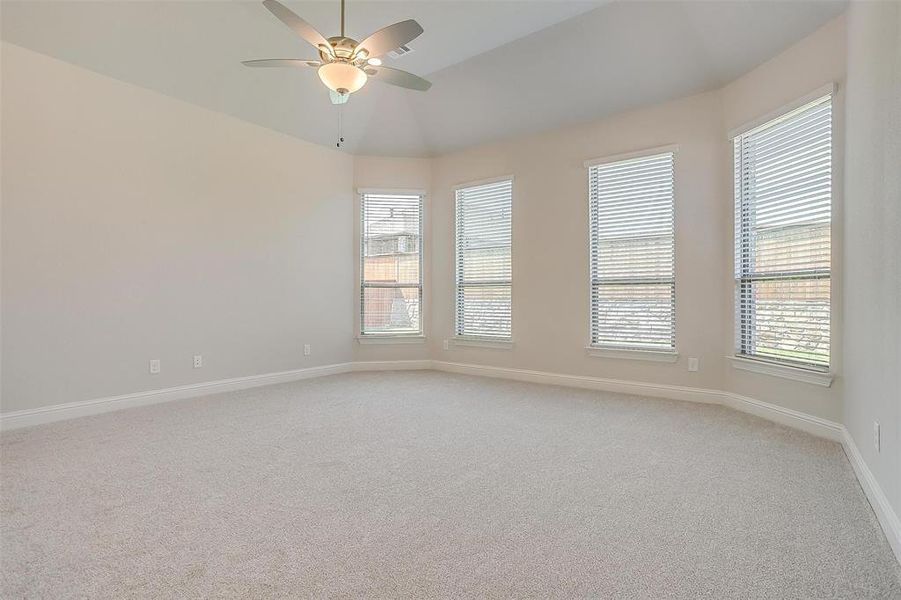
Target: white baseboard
791, 418
798, 420
778, 414
887, 517
392, 365
784, 416
635, 388
72, 410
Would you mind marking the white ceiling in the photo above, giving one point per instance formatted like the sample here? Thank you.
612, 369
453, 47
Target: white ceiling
498, 68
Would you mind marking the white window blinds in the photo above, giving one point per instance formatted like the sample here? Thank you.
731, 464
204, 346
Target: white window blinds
483, 260
391, 264
632, 251
783, 213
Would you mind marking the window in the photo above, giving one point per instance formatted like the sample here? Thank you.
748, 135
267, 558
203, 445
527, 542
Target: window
633, 288
783, 213
483, 260
391, 264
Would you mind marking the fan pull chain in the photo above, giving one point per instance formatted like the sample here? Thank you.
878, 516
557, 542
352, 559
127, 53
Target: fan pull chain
340, 126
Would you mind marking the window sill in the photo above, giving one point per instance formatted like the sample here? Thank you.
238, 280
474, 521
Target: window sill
648, 355
821, 378
484, 343
390, 339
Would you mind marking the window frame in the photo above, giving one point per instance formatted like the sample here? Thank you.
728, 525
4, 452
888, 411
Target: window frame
660, 355
459, 339
364, 337
800, 371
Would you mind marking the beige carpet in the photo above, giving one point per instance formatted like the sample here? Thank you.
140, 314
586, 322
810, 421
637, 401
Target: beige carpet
426, 484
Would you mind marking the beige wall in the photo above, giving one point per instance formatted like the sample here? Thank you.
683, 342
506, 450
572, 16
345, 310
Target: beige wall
817, 60
550, 237
193, 240
135, 226
550, 258
873, 235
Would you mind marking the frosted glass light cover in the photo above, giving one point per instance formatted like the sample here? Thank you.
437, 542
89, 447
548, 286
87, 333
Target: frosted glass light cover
342, 76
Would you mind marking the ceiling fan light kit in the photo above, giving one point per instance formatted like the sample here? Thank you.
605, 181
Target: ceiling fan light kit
341, 77
345, 64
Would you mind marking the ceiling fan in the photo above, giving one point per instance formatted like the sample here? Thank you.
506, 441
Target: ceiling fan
344, 64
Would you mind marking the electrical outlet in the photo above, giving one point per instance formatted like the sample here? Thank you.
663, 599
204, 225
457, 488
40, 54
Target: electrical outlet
692, 364
446, 345
154, 366
307, 350
877, 441
198, 361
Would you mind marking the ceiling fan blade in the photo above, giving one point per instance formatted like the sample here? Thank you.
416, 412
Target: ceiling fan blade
389, 38
399, 78
281, 62
298, 25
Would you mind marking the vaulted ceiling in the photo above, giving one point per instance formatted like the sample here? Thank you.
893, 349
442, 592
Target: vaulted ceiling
499, 68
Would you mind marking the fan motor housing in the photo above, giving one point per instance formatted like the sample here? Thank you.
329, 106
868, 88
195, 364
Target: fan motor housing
343, 47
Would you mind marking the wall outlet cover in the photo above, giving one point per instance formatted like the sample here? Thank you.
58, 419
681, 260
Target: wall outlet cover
154, 366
